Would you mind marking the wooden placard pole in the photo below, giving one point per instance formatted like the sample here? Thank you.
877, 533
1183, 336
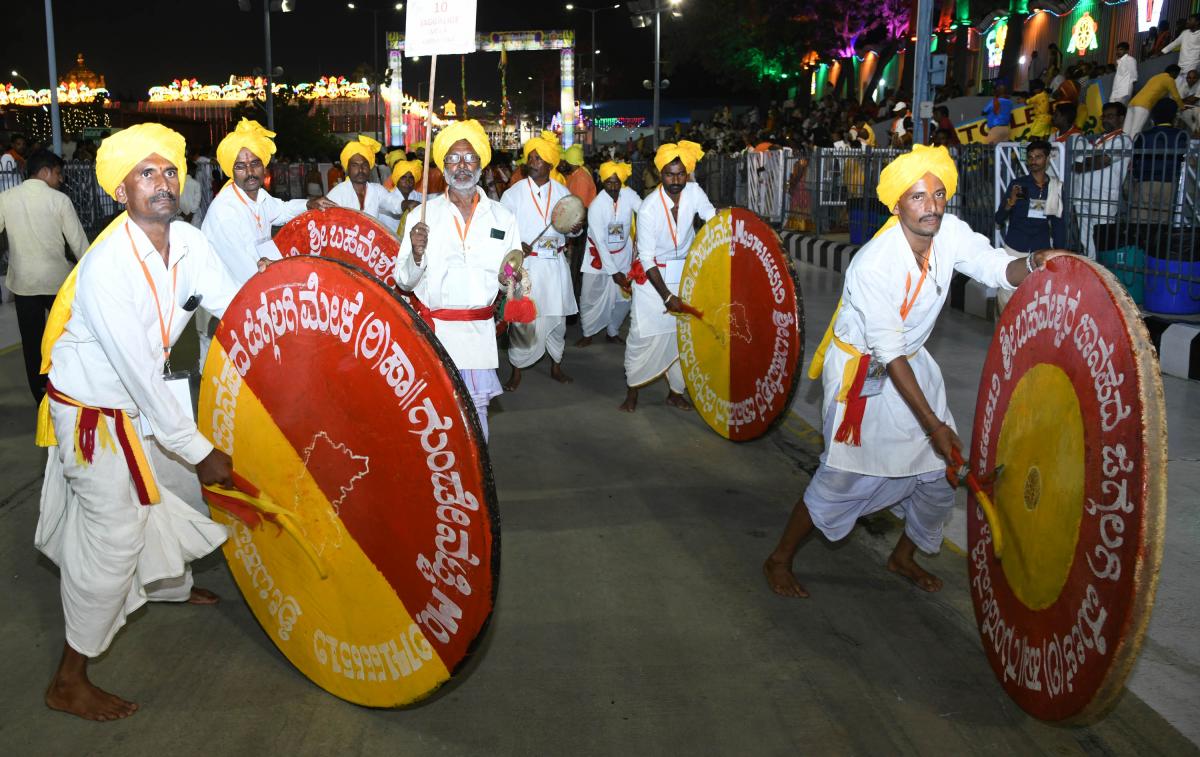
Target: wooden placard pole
428, 136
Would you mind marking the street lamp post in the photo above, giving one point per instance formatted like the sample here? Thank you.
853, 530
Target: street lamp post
592, 78
55, 118
641, 11
378, 92
281, 6
22, 78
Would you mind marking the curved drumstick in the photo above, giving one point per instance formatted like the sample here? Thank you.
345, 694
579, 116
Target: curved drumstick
252, 509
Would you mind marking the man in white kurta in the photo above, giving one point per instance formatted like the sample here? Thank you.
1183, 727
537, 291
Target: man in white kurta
1188, 45
604, 295
889, 444
113, 515
1126, 76
665, 230
1100, 177
240, 218
451, 262
358, 192
532, 201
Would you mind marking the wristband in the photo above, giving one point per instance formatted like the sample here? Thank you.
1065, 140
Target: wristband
1029, 262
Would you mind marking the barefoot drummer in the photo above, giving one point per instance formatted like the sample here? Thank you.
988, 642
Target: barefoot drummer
888, 430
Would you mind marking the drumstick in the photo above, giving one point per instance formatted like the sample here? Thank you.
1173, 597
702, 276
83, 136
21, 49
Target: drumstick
428, 135
985, 502
266, 507
539, 236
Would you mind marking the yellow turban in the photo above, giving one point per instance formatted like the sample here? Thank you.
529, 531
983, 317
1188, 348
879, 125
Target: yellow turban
610, 168
469, 130
547, 149
689, 153
250, 135
393, 156
122, 151
574, 155
406, 166
907, 169
364, 146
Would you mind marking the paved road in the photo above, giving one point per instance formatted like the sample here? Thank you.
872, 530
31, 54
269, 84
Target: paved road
632, 618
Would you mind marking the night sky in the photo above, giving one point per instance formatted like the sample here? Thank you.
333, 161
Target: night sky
136, 45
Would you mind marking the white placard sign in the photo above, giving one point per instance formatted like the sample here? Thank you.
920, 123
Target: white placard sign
440, 27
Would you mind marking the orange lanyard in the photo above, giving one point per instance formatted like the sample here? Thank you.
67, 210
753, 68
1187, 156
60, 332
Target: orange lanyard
164, 327
670, 224
1114, 135
257, 216
543, 213
906, 305
462, 233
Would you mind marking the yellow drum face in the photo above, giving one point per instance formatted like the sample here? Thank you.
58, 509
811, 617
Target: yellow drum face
741, 360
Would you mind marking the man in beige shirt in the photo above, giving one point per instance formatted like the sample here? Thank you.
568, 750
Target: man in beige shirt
41, 224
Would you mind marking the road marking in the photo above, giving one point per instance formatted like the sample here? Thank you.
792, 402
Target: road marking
10, 348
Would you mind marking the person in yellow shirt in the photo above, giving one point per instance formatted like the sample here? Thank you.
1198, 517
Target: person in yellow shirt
1159, 86
1039, 106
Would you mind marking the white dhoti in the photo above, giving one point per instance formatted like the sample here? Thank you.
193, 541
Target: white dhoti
114, 553
837, 499
602, 307
482, 385
527, 342
1135, 120
651, 348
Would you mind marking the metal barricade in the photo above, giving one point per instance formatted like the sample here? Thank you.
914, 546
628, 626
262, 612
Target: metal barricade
1134, 206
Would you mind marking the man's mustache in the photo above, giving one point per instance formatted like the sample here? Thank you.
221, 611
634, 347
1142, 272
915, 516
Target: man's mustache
931, 217
163, 195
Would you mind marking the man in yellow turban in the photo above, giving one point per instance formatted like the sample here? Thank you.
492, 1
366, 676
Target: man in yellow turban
889, 435
576, 176
240, 218
358, 192
116, 422
452, 260
406, 179
666, 227
532, 201
604, 292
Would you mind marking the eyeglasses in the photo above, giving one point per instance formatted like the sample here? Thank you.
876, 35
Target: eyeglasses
454, 158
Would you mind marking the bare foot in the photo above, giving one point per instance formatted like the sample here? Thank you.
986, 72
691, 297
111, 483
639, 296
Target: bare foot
630, 403
906, 566
71, 692
614, 339
678, 401
584, 342
87, 701
780, 579
514, 380
202, 597
556, 373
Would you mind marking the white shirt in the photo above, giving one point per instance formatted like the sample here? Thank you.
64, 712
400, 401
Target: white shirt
460, 272
659, 239
237, 226
1188, 45
549, 275
665, 245
376, 202
1105, 183
893, 442
610, 231
1127, 74
1192, 90
41, 223
8, 163
111, 354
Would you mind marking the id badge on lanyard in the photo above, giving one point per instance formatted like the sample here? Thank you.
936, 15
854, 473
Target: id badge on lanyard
1037, 209
546, 246
876, 378
616, 234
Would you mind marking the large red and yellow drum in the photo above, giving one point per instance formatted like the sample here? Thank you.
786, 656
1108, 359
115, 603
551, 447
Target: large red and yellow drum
336, 402
741, 359
1071, 404
342, 234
